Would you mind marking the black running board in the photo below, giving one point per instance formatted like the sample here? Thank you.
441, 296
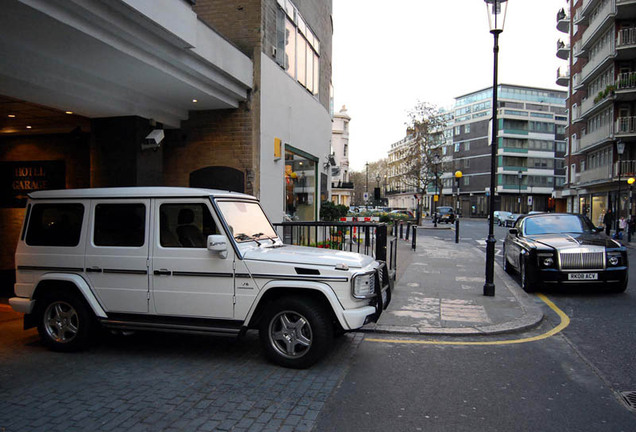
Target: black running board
213, 327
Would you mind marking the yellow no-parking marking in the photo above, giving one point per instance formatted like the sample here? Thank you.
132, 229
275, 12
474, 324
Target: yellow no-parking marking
565, 321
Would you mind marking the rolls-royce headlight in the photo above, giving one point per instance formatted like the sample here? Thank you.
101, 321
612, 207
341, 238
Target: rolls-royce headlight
546, 260
613, 259
363, 285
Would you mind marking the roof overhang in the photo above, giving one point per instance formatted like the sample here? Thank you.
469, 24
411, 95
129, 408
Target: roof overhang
119, 58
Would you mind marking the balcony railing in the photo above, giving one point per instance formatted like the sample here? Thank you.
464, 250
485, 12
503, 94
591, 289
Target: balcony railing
626, 81
595, 175
595, 63
563, 50
625, 126
563, 76
599, 136
628, 169
598, 21
563, 21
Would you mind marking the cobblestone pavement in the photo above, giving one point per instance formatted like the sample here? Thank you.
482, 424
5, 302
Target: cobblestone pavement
159, 382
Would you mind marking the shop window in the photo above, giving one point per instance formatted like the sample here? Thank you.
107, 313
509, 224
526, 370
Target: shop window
300, 185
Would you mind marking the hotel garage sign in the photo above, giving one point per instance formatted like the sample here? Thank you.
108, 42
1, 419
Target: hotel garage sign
17, 179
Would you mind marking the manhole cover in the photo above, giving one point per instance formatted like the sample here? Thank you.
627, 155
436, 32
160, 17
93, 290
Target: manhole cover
630, 399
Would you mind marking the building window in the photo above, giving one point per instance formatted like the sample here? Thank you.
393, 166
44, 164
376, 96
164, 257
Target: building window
298, 48
458, 130
467, 128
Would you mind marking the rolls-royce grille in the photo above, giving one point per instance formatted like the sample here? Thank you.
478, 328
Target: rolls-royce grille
582, 260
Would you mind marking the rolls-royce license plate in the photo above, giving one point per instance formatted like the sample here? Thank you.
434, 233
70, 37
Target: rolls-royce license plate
582, 276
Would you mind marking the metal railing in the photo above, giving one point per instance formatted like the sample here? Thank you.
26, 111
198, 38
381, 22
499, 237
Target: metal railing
361, 237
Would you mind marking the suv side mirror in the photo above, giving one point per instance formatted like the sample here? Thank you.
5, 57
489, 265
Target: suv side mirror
218, 243
513, 231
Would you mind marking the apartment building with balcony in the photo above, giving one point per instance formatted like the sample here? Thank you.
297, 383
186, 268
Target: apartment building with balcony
531, 148
602, 105
341, 184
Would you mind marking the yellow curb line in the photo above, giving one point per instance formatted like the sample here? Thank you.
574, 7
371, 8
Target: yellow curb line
565, 321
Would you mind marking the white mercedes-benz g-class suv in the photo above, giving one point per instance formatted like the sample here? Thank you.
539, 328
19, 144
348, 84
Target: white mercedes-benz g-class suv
185, 260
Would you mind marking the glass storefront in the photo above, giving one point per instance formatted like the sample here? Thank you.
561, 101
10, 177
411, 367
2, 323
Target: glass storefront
300, 185
599, 207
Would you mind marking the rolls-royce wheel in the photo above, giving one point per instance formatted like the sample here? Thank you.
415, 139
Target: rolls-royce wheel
506, 264
523, 273
65, 323
296, 332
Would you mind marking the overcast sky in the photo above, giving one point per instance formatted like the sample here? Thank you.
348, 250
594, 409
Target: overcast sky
388, 55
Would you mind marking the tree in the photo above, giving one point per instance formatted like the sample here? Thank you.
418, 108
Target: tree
422, 163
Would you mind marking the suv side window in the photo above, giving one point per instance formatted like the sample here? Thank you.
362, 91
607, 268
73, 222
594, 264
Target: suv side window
119, 225
55, 225
185, 225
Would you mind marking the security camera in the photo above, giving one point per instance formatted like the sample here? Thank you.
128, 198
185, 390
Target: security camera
153, 140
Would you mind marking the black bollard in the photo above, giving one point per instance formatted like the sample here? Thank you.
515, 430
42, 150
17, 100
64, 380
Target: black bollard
401, 226
457, 230
414, 241
408, 229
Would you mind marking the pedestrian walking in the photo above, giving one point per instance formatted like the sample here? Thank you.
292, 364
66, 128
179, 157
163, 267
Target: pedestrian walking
622, 227
608, 219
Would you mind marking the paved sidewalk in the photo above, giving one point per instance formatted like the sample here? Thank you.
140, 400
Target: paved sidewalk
441, 292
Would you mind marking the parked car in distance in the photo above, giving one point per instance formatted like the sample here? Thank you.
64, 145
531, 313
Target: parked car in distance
511, 219
561, 248
185, 260
407, 213
445, 214
500, 216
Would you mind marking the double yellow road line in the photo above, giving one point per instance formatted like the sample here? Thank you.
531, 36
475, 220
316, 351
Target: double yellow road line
565, 321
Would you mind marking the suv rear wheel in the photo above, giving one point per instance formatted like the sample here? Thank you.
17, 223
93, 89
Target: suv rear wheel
65, 322
296, 332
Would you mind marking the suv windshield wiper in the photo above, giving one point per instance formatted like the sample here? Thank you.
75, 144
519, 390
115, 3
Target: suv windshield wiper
243, 236
260, 234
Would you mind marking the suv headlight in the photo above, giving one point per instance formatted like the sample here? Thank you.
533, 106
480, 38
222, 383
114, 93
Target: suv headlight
363, 285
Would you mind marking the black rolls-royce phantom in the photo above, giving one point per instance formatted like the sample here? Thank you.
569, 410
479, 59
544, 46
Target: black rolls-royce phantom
563, 248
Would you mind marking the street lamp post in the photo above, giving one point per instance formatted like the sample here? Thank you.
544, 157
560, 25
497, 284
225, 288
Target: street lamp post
519, 176
630, 182
379, 200
458, 176
620, 149
435, 162
496, 18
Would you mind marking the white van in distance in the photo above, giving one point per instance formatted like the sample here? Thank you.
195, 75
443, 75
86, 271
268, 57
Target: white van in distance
185, 260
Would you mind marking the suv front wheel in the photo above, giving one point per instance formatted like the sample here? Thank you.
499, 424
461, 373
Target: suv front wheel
296, 332
65, 323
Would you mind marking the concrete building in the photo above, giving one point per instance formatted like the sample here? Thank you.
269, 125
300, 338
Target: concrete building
599, 46
341, 184
231, 95
531, 148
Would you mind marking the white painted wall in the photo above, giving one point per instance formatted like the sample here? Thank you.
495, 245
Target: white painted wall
290, 113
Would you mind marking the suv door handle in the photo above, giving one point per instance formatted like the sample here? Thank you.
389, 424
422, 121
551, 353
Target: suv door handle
93, 270
162, 272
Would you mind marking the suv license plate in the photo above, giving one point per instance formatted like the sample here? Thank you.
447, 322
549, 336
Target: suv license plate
583, 276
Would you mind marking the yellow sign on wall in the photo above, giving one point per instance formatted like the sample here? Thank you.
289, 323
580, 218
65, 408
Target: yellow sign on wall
277, 148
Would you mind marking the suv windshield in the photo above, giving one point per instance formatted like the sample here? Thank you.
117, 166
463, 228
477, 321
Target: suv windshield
246, 220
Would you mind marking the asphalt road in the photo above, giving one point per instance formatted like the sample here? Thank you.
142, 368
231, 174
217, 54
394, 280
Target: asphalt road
571, 381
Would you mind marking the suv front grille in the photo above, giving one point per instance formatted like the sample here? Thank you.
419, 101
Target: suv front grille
582, 260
